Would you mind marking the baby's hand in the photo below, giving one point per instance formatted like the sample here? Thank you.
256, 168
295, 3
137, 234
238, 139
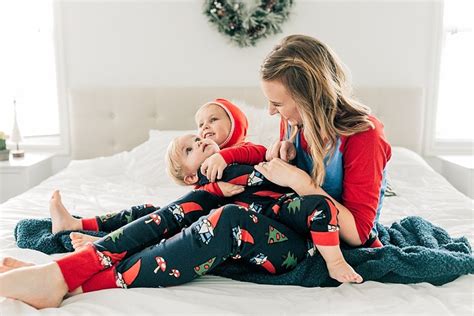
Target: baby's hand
229, 189
213, 167
284, 150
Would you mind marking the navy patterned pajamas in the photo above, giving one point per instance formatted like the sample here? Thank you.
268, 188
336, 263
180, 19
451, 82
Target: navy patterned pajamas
267, 226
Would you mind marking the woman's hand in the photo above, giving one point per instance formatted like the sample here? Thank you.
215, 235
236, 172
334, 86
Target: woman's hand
213, 167
229, 189
284, 150
284, 174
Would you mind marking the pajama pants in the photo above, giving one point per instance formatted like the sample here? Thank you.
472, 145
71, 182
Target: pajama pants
112, 221
139, 254
167, 221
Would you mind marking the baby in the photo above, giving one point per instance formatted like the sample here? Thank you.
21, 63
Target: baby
311, 215
219, 121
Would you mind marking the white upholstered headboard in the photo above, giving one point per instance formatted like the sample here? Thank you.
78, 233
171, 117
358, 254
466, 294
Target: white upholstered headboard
107, 120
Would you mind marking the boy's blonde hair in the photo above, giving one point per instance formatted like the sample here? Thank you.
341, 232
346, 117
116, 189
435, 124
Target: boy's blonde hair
173, 167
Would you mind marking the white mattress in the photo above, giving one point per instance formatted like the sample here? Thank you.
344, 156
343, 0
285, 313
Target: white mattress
100, 185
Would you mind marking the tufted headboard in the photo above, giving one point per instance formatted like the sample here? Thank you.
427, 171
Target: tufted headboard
107, 120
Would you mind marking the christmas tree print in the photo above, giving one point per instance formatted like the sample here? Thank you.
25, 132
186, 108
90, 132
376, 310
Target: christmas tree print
115, 234
294, 205
128, 217
104, 218
203, 268
274, 235
290, 261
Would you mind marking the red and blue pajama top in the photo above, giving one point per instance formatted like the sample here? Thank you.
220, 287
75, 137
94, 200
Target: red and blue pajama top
355, 173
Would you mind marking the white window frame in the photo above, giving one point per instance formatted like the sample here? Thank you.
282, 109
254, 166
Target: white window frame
60, 144
433, 146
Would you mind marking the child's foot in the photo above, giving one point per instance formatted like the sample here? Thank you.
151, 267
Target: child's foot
40, 286
10, 263
343, 272
79, 240
60, 216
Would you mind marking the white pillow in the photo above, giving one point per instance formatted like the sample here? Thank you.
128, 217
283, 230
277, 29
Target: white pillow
146, 162
264, 129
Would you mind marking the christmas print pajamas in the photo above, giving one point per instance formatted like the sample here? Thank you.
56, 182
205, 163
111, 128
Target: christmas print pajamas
266, 226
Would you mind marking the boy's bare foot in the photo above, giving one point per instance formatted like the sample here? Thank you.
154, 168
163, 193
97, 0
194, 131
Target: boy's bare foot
343, 272
337, 266
60, 216
10, 263
40, 286
79, 240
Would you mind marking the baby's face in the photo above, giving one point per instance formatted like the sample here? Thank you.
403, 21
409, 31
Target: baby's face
213, 123
193, 150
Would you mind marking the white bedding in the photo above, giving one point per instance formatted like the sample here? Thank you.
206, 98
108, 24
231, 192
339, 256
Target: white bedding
100, 185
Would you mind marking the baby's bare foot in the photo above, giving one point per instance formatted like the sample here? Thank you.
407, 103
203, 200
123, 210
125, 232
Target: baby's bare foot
60, 217
343, 272
40, 286
79, 240
10, 263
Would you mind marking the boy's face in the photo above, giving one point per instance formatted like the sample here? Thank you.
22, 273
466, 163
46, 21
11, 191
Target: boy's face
213, 123
193, 150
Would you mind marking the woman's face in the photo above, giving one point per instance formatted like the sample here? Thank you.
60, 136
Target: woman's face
280, 101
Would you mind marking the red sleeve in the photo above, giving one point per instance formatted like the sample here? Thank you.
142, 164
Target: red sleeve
283, 127
244, 153
212, 188
365, 157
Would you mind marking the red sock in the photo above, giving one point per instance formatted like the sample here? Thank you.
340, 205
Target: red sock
90, 224
79, 266
106, 279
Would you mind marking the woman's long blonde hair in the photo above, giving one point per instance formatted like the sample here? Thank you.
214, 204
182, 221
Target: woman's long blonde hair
316, 80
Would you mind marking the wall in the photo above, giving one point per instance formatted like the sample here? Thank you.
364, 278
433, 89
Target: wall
171, 43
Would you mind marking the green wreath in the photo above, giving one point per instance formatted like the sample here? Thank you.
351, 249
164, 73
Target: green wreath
245, 25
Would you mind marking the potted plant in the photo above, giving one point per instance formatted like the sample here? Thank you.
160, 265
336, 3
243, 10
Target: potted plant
4, 152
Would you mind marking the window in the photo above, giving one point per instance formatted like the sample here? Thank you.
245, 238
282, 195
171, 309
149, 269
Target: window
28, 68
455, 113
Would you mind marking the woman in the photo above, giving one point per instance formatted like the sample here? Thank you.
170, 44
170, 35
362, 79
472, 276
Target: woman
337, 142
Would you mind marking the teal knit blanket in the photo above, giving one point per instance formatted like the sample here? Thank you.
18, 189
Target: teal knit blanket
414, 251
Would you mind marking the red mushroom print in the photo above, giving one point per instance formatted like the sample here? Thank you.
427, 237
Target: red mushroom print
175, 273
154, 218
161, 264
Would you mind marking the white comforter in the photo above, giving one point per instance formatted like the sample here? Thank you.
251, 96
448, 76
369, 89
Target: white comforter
105, 184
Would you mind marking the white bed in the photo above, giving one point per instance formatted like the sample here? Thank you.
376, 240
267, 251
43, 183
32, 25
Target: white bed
98, 185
